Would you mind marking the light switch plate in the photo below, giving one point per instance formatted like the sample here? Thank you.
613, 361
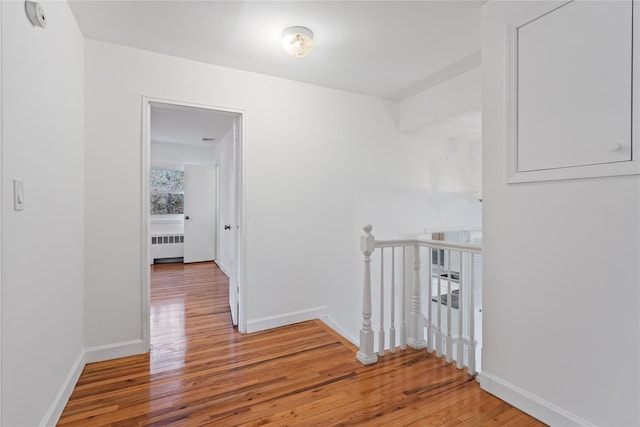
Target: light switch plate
18, 195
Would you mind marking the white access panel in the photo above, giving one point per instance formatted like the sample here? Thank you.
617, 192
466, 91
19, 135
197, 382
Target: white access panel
574, 86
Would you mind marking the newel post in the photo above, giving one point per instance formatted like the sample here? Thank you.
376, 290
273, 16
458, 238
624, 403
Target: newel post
416, 320
366, 355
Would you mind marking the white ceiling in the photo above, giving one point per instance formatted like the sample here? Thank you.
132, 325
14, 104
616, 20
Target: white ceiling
172, 124
387, 49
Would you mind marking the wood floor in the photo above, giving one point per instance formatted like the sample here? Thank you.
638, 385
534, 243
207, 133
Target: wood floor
201, 371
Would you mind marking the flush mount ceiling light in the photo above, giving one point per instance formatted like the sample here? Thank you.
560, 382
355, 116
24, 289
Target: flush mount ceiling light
297, 41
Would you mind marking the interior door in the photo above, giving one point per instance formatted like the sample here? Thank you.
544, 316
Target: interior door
199, 213
233, 227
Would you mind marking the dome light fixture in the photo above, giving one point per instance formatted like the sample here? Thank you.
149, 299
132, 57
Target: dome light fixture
297, 41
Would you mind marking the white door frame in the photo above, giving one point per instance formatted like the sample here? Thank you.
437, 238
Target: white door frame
239, 219
216, 244
1, 186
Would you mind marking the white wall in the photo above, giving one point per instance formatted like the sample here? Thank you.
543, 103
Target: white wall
175, 156
561, 295
428, 182
309, 175
442, 148
440, 151
304, 171
443, 172
451, 98
42, 143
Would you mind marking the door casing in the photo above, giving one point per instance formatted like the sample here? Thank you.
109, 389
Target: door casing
239, 226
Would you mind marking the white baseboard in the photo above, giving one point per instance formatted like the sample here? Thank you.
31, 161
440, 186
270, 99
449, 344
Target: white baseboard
224, 268
285, 319
333, 325
533, 405
55, 410
114, 351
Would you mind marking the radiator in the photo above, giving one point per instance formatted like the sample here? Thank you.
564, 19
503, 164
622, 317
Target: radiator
166, 246
167, 240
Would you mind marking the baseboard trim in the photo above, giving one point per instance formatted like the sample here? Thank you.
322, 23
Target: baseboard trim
290, 318
114, 351
533, 405
339, 330
57, 406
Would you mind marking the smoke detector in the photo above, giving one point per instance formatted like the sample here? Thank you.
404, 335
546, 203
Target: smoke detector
36, 14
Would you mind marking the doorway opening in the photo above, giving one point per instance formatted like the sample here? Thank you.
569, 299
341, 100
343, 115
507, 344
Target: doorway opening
192, 193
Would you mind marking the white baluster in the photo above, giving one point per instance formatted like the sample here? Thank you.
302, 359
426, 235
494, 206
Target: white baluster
366, 355
417, 320
429, 300
403, 324
460, 344
381, 331
471, 353
392, 328
449, 341
439, 310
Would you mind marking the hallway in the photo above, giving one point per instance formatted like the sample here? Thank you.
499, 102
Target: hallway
201, 371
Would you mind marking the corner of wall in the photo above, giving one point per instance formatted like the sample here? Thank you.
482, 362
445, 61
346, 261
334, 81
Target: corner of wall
290, 318
225, 269
392, 108
340, 330
66, 389
114, 351
528, 402
457, 95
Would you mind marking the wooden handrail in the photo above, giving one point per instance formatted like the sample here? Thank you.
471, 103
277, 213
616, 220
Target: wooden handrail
437, 244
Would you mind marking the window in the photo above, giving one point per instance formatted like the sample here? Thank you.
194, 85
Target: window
167, 192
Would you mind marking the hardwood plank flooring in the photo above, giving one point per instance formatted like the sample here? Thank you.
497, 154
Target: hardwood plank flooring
201, 371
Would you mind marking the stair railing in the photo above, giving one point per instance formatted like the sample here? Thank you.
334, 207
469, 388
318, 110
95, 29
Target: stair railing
446, 320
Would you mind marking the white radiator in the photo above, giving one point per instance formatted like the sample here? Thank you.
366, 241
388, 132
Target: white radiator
166, 246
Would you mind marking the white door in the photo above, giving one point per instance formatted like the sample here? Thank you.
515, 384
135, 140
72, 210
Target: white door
199, 213
233, 227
